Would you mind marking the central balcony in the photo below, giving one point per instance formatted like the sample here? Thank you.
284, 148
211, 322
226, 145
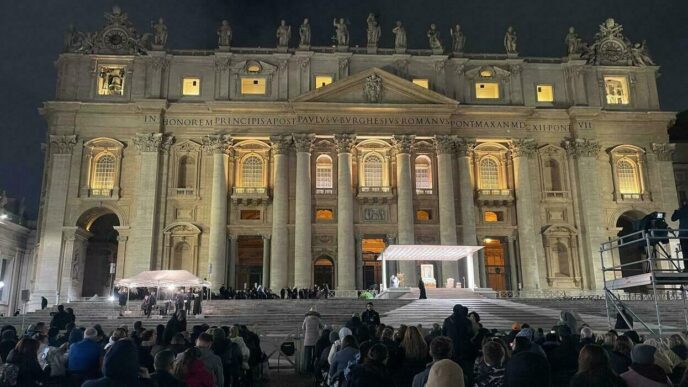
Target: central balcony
250, 195
495, 197
381, 194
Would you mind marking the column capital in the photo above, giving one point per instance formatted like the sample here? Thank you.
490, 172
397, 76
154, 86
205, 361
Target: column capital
62, 145
403, 143
153, 142
216, 143
582, 147
344, 142
523, 147
465, 146
663, 151
303, 142
444, 144
280, 144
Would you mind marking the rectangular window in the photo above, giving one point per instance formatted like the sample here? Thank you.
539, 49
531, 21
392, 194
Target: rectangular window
545, 93
324, 214
322, 80
249, 214
493, 216
422, 82
191, 86
423, 215
487, 90
616, 90
111, 80
253, 86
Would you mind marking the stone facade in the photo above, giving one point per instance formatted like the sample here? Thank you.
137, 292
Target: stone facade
246, 152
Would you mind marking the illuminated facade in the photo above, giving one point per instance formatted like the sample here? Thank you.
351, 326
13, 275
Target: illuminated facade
290, 167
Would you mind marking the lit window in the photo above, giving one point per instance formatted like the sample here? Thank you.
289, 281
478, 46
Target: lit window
111, 80
422, 83
323, 172
616, 90
628, 177
489, 174
372, 171
249, 214
191, 86
252, 172
423, 173
487, 90
423, 215
545, 93
255, 86
486, 73
493, 216
103, 175
253, 68
322, 80
324, 214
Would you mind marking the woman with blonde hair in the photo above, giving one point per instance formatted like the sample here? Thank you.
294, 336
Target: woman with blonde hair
414, 357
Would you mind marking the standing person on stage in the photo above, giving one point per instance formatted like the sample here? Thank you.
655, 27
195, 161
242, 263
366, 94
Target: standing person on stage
44, 302
682, 216
122, 299
394, 281
197, 308
370, 316
421, 287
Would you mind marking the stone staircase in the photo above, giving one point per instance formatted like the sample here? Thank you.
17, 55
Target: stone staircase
442, 293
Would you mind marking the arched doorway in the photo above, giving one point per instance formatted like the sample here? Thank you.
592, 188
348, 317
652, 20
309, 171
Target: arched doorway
249, 265
101, 254
631, 252
323, 272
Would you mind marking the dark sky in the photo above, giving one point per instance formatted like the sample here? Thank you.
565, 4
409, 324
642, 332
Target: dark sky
32, 31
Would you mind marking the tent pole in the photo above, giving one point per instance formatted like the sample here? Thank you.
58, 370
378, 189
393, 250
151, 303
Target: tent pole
384, 273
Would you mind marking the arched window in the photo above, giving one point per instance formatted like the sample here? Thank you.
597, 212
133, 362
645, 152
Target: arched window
187, 172
553, 174
372, 171
182, 257
252, 172
488, 171
627, 174
323, 172
562, 259
104, 173
423, 173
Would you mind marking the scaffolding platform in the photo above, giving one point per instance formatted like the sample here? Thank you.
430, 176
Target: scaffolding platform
655, 278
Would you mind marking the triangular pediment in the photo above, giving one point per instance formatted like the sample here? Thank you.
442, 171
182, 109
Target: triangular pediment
363, 88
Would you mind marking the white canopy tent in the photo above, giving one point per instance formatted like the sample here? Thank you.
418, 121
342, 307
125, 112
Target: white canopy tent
163, 278
430, 253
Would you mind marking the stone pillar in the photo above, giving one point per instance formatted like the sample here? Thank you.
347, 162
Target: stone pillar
665, 190
233, 256
359, 260
346, 257
521, 151
217, 242
405, 215
584, 153
303, 219
464, 148
513, 268
49, 250
279, 254
73, 264
444, 147
144, 236
266, 260
122, 240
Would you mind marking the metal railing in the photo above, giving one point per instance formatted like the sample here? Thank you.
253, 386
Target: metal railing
556, 194
325, 191
494, 192
250, 190
423, 191
102, 193
184, 191
375, 189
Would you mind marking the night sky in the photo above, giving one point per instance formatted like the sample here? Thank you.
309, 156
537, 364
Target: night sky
32, 33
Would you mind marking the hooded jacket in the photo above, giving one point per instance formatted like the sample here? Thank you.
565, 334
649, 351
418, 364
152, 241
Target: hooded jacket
120, 367
445, 373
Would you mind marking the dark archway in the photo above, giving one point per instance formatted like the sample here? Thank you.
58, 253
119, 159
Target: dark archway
323, 272
101, 254
631, 252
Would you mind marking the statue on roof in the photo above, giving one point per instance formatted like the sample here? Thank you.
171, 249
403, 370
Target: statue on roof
640, 56
159, 33
399, 36
305, 34
283, 34
341, 32
224, 34
574, 44
374, 31
510, 40
434, 38
611, 47
458, 38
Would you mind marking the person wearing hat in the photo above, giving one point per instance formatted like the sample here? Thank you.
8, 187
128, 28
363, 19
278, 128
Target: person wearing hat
445, 373
529, 334
643, 372
515, 328
311, 328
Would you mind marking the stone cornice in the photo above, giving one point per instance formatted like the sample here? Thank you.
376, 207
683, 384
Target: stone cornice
62, 145
303, 142
444, 144
582, 147
344, 143
403, 143
216, 143
280, 144
663, 151
152, 142
523, 147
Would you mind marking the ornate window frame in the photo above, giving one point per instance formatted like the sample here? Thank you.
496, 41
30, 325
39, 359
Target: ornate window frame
181, 232
381, 149
267, 71
190, 97
127, 81
636, 156
630, 81
554, 153
324, 187
94, 150
497, 75
428, 190
180, 150
567, 236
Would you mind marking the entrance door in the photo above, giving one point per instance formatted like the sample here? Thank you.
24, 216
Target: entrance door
372, 268
631, 251
323, 272
249, 265
494, 264
101, 251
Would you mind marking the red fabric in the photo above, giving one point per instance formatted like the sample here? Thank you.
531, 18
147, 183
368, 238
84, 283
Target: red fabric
199, 376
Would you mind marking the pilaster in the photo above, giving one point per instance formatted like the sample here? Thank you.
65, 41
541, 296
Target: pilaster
346, 258
444, 147
303, 143
217, 145
279, 254
403, 145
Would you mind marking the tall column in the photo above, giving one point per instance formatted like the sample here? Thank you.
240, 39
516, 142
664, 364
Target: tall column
144, 237
279, 254
584, 152
49, 250
233, 256
405, 215
346, 258
521, 151
444, 147
665, 190
464, 148
266, 259
303, 219
217, 244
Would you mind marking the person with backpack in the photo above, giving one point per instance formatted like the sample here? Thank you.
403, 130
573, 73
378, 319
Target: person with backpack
22, 368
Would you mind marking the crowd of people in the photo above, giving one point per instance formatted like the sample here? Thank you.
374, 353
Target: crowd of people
258, 292
462, 352
66, 355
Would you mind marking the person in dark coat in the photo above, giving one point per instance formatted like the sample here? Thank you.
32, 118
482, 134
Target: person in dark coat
171, 328
440, 348
370, 316
681, 215
594, 369
459, 328
527, 369
620, 356
25, 357
164, 368
44, 302
8, 341
60, 319
421, 287
373, 372
121, 368
123, 297
620, 322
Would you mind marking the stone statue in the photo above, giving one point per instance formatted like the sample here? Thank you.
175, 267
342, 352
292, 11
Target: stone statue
574, 44
434, 38
283, 34
510, 41
372, 89
458, 38
610, 28
640, 56
305, 33
224, 33
399, 36
341, 32
160, 33
374, 31
70, 37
